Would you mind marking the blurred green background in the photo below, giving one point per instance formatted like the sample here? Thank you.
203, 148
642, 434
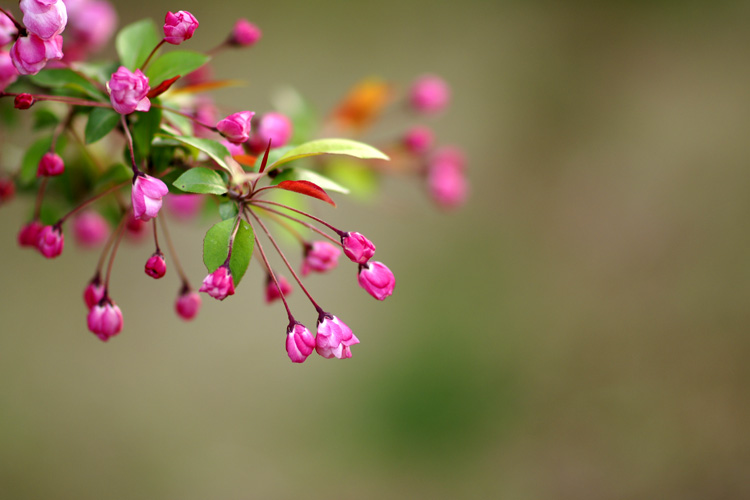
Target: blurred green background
578, 330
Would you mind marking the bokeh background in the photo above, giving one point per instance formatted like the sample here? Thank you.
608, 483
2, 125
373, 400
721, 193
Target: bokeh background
578, 330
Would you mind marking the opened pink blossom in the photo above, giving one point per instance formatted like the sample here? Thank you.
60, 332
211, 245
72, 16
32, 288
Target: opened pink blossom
334, 338
219, 284
236, 127
128, 91
179, 27
30, 53
146, 196
44, 18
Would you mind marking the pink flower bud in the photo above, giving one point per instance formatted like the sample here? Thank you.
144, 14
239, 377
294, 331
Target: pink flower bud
272, 291
8, 30
320, 257
91, 23
179, 27
30, 53
128, 90
184, 206
23, 101
7, 190
146, 196
334, 338
219, 284
94, 292
135, 227
299, 342
105, 319
376, 279
447, 185
155, 266
50, 165
244, 33
8, 72
452, 155
429, 94
188, 304
358, 248
418, 140
236, 127
28, 236
274, 127
51, 241
44, 18
90, 229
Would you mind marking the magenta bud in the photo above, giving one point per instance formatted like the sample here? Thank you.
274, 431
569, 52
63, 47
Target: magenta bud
7, 190
188, 304
8, 72
334, 338
51, 241
135, 227
376, 279
244, 34
219, 284
236, 127
429, 94
30, 53
146, 196
28, 236
90, 229
320, 257
94, 292
105, 319
358, 248
128, 91
272, 291
418, 140
155, 266
23, 101
273, 127
179, 27
50, 165
299, 342
447, 185
44, 18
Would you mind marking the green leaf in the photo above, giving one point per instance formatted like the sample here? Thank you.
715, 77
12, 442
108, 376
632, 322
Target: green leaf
228, 210
201, 180
45, 118
101, 122
135, 42
144, 129
216, 248
34, 154
302, 174
116, 174
330, 146
218, 152
68, 79
362, 181
169, 65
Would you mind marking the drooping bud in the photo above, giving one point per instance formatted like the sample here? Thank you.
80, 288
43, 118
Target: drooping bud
7, 190
236, 127
244, 34
274, 127
188, 304
299, 342
23, 101
358, 248
376, 279
219, 284
28, 236
105, 319
50, 165
272, 291
8, 71
44, 18
51, 241
146, 196
179, 27
128, 91
334, 338
90, 229
94, 292
320, 256
30, 53
155, 266
429, 94
418, 140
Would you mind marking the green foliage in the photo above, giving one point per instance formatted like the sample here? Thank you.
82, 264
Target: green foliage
45, 118
65, 78
302, 174
359, 179
201, 180
135, 42
116, 174
216, 247
218, 152
228, 210
101, 122
169, 65
144, 129
330, 146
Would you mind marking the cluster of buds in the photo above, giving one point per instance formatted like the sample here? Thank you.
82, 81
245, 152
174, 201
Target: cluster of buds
152, 110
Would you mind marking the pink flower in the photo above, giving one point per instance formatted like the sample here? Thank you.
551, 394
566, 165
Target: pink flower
334, 338
299, 342
244, 33
358, 248
219, 284
23, 101
418, 140
234, 149
272, 291
94, 292
91, 23
7, 190
155, 266
50, 165
8, 30
452, 155
188, 304
28, 236
184, 206
90, 229
51, 241
274, 127
128, 90
105, 319
146, 196
44, 18
236, 127
447, 184
30, 53
179, 27
429, 94
320, 257
376, 279
8, 72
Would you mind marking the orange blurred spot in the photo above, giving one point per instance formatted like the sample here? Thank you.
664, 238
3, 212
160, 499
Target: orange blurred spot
245, 160
364, 102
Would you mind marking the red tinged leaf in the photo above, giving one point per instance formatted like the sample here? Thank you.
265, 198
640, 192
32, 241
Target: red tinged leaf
307, 188
162, 87
245, 160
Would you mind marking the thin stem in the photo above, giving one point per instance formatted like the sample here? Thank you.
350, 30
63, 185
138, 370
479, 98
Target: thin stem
19, 26
231, 238
186, 115
283, 257
129, 139
39, 198
91, 200
59, 130
156, 238
87, 78
337, 231
110, 240
112, 256
148, 59
273, 277
223, 45
289, 228
306, 224
74, 101
172, 252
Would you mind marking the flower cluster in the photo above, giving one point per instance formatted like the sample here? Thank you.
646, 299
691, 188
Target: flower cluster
152, 109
